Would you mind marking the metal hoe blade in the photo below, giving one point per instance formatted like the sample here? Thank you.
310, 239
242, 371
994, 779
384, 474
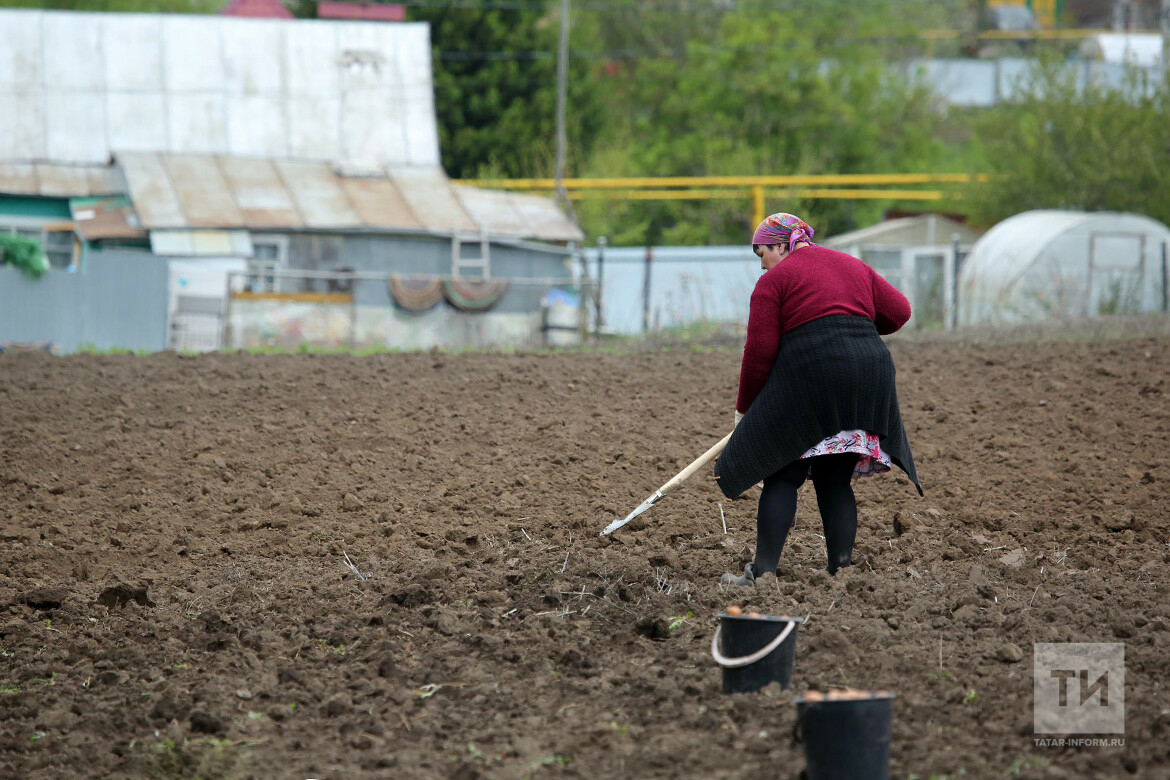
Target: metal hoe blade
616, 524
674, 482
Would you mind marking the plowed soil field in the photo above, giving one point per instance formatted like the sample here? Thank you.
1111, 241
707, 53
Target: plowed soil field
304, 566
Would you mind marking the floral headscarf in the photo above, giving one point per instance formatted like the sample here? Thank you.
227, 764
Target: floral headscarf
784, 229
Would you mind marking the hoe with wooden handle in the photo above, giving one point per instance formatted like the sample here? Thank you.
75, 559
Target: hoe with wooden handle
674, 482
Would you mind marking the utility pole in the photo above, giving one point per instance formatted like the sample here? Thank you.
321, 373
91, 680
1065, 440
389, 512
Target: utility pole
646, 291
603, 241
1164, 20
562, 98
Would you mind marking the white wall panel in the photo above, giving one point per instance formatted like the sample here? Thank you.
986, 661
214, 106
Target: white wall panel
132, 53
358, 36
75, 60
20, 50
252, 57
310, 60
22, 122
354, 94
314, 128
371, 124
418, 95
197, 123
66, 114
371, 134
136, 121
192, 54
256, 127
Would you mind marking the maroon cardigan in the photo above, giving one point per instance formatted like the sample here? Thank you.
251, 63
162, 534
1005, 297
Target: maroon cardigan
811, 283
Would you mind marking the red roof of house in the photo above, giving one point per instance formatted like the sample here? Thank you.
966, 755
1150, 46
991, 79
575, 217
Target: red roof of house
372, 12
257, 9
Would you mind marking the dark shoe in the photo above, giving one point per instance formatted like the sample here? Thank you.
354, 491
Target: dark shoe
748, 580
843, 562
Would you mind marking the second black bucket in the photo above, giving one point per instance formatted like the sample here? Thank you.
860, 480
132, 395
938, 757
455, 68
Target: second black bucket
846, 738
755, 651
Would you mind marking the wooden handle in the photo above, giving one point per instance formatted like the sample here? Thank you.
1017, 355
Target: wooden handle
701, 461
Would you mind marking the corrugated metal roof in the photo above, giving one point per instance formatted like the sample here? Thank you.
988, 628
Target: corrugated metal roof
544, 219
105, 180
208, 191
260, 195
513, 212
430, 196
317, 191
202, 191
18, 179
492, 207
105, 217
380, 204
149, 187
59, 181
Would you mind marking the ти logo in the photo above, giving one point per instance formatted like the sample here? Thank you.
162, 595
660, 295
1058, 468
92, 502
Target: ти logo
1101, 685
1079, 688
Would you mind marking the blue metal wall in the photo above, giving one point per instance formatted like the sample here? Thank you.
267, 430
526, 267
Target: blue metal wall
118, 300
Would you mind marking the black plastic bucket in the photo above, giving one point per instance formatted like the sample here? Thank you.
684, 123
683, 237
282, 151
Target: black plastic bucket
846, 739
748, 664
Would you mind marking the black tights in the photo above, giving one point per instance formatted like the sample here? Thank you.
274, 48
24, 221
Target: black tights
831, 475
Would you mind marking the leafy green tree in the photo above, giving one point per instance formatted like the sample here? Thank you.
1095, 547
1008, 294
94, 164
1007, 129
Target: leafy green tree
1062, 146
764, 91
495, 89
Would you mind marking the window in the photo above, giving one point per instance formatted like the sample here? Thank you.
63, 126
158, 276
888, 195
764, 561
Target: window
269, 254
56, 244
887, 262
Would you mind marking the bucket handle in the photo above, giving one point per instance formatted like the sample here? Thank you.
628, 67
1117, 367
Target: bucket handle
747, 660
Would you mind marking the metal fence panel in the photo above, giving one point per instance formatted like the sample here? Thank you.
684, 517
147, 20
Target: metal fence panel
51, 308
119, 300
683, 286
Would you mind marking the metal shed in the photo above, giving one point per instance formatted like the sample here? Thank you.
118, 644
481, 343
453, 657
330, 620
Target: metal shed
289, 165
1046, 264
919, 255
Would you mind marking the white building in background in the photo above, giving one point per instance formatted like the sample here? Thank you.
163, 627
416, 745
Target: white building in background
1139, 50
919, 255
280, 158
79, 88
1047, 264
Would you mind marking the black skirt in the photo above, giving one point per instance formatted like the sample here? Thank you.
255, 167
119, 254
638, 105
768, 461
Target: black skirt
832, 374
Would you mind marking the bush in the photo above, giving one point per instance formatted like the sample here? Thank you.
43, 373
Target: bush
23, 253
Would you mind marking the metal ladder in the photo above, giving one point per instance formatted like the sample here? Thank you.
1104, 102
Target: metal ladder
480, 263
